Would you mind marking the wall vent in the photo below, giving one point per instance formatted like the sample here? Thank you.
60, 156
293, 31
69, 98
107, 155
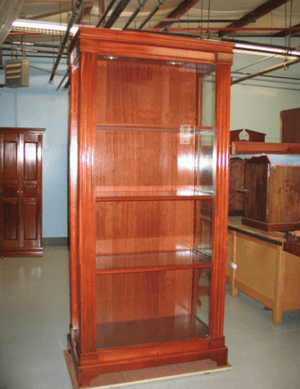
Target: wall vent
17, 73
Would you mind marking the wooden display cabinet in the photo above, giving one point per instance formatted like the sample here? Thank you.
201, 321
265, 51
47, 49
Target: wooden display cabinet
21, 191
148, 200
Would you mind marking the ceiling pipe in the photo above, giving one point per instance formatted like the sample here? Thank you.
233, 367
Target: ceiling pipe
116, 13
177, 20
137, 10
66, 37
268, 70
110, 5
257, 13
158, 5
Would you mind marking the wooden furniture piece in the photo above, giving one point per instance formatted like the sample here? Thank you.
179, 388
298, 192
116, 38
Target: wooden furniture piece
237, 170
272, 193
236, 186
269, 148
251, 136
292, 244
290, 125
147, 262
258, 266
21, 191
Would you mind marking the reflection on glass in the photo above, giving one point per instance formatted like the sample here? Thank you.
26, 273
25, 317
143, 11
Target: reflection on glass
206, 161
208, 100
202, 296
204, 228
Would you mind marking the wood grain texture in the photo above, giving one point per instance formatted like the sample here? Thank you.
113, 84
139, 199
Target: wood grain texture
218, 276
73, 203
86, 205
267, 274
268, 148
290, 120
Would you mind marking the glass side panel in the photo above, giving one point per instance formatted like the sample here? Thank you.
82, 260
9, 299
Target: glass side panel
151, 307
208, 99
206, 154
204, 229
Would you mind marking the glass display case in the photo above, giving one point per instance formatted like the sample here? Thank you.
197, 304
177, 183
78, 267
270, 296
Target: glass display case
148, 200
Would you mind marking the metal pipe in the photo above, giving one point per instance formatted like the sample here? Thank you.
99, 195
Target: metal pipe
116, 13
43, 70
63, 79
137, 10
64, 42
158, 5
268, 70
176, 20
105, 13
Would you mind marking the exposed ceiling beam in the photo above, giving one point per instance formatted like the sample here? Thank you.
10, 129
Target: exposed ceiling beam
257, 13
64, 8
182, 8
289, 31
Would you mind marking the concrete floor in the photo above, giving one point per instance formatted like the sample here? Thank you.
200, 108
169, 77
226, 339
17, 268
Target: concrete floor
34, 322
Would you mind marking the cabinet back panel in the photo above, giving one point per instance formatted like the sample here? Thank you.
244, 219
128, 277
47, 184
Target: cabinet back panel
140, 296
284, 196
145, 93
143, 159
147, 226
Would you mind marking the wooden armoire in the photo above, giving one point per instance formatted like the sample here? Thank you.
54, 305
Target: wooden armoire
149, 142
21, 151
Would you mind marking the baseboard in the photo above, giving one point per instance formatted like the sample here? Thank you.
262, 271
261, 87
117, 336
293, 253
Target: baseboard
61, 241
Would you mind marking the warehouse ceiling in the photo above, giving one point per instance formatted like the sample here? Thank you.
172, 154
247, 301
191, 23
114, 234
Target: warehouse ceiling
240, 21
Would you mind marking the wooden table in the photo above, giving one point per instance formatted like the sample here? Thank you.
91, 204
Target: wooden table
258, 266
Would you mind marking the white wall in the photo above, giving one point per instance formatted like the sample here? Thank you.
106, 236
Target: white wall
256, 103
41, 106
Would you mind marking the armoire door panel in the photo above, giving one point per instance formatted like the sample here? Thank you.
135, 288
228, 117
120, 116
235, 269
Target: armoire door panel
10, 221
10, 170
30, 161
30, 220
10, 190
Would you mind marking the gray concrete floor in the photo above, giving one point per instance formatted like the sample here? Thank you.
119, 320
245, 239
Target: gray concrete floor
34, 322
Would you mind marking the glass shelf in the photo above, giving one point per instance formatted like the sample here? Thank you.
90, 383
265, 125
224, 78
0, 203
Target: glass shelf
158, 261
146, 195
167, 329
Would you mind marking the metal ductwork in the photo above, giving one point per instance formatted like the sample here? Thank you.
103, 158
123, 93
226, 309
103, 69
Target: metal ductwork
9, 11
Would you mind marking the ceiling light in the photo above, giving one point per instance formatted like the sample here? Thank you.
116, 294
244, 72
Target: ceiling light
38, 25
266, 49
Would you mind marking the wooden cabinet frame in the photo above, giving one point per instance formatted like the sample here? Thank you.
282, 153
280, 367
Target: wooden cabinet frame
89, 45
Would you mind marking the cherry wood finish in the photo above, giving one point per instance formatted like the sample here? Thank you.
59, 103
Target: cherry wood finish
147, 258
236, 186
21, 192
269, 148
254, 136
290, 125
272, 195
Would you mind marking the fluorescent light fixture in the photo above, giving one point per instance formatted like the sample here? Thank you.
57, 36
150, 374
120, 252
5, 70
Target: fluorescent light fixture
47, 26
266, 49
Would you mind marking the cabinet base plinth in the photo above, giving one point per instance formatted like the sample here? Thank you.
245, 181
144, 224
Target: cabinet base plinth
147, 356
